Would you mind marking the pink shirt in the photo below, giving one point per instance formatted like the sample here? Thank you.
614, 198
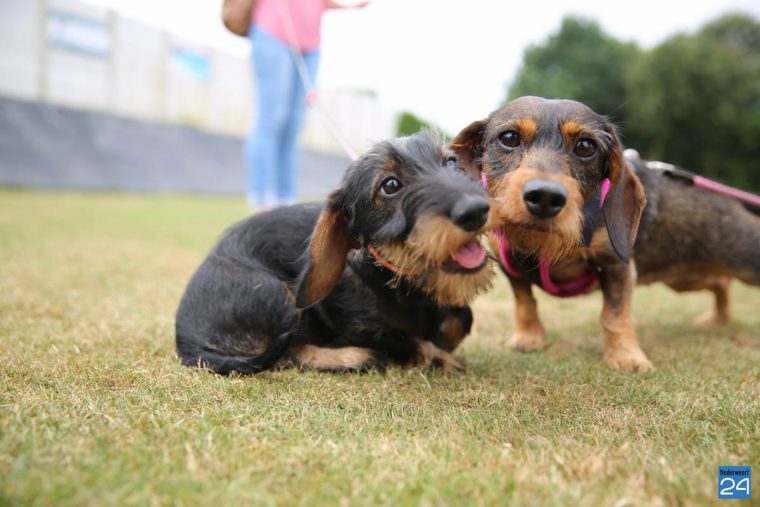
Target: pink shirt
295, 22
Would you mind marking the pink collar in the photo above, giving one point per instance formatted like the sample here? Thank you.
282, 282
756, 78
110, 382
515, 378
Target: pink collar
570, 288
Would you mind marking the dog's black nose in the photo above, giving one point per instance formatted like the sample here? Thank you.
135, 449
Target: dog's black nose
470, 213
544, 199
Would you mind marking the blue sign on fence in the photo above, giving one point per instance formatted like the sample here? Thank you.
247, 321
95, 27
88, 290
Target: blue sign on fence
77, 34
192, 62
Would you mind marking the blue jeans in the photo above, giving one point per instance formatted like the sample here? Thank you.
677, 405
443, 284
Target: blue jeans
271, 152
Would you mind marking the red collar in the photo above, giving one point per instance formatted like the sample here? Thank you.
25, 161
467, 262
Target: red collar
387, 264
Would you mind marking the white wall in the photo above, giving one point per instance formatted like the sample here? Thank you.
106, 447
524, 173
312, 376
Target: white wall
20, 48
121, 66
139, 70
74, 79
231, 100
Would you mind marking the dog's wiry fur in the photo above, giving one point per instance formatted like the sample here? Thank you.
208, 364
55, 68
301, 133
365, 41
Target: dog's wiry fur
692, 239
431, 244
297, 286
557, 239
687, 237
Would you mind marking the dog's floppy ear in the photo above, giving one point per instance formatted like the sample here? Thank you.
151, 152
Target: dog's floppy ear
328, 249
468, 145
625, 201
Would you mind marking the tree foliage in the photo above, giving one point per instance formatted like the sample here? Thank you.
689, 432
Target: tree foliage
693, 100
579, 62
409, 124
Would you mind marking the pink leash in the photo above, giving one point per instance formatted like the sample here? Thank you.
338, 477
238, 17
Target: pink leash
698, 181
312, 98
720, 188
570, 288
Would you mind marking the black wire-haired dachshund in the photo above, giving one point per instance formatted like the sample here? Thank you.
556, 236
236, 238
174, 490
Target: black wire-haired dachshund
383, 273
571, 209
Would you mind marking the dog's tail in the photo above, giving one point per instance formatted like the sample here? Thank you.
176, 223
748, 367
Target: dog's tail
218, 362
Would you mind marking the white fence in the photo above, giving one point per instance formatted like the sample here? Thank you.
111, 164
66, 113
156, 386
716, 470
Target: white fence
77, 55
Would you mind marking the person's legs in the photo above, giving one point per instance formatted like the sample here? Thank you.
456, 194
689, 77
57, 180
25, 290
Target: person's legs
288, 146
272, 72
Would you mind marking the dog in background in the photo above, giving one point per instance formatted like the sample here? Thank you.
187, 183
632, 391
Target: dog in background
383, 273
723, 226
575, 215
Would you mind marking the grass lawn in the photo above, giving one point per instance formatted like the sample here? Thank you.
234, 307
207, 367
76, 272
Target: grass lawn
95, 409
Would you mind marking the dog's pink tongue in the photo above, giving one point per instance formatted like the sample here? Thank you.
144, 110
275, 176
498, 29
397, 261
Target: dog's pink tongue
471, 255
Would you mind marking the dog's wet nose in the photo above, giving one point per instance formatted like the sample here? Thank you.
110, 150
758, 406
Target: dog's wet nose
470, 213
544, 199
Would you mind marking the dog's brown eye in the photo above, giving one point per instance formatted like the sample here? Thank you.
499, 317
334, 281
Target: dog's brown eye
509, 139
584, 148
390, 186
451, 162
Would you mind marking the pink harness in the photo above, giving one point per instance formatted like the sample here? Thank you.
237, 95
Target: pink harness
569, 288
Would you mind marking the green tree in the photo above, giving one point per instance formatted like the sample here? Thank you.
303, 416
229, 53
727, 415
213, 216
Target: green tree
579, 62
409, 124
740, 31
695, 101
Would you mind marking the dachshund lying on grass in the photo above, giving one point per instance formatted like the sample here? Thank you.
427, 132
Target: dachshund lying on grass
382, 273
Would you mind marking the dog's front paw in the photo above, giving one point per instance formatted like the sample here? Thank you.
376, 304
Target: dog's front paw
431, 356
713, 318
527, 340
628, 360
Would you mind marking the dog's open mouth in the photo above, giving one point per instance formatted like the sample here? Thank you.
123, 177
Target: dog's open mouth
470, 258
